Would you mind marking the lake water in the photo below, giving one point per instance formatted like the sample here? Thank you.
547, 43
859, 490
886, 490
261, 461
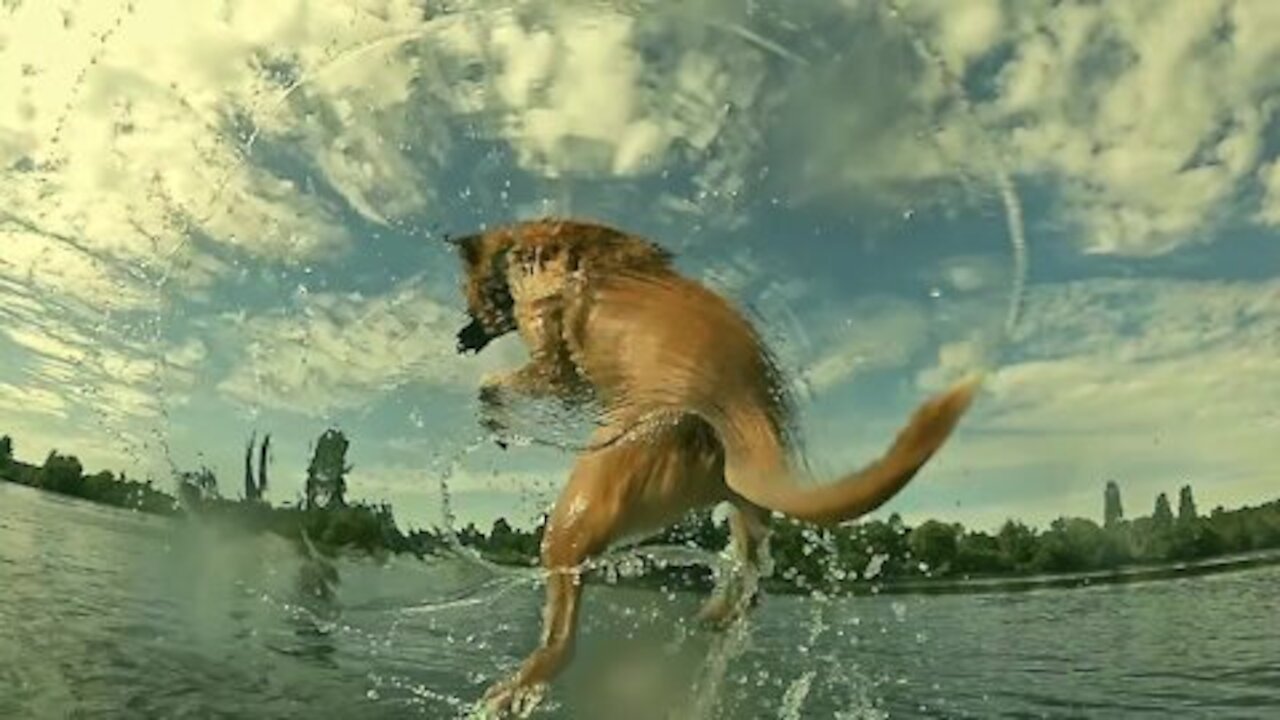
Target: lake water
111, 614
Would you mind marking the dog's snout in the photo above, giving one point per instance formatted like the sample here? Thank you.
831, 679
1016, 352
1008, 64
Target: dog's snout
473, 337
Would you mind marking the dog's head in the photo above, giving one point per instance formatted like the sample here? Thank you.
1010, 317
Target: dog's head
538, 257
489, 302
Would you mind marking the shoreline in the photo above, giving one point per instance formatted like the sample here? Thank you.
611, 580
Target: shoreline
1221, 564
1067, 581
692, 578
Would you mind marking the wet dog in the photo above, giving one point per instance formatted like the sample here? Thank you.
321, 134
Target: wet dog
608, 319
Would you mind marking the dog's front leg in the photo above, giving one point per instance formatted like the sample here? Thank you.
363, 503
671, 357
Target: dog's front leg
521, 692
581, 526
493, 406
497, 392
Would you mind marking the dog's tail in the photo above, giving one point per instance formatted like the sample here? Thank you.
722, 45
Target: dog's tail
757, 467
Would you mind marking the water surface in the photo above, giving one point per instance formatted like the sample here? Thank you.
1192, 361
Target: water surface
112, 614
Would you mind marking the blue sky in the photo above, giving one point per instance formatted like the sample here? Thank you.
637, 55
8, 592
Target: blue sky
218, 219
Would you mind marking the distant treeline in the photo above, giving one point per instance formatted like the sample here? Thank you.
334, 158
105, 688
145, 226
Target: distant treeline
323, 514
851, 557
65, 475
805, 558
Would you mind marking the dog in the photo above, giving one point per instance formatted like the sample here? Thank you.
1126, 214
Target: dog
608, 319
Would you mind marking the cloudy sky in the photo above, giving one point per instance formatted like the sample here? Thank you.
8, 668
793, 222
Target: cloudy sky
222, 217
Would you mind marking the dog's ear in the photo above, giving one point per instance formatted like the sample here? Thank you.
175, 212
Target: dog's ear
635, 252
469, 248
498, 262
658, 254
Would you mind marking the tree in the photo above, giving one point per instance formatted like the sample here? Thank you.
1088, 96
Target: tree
327, 473
887, 541
501, 537
1017, 544
1073, 544
1186, 505
980, 553
1162, 516
63, 473
470, 535
1112, 510
935, 544
196, 486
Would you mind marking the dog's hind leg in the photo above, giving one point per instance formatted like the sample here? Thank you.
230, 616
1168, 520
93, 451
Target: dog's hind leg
738, 591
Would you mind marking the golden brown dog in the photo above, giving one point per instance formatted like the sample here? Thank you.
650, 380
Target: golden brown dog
606, 316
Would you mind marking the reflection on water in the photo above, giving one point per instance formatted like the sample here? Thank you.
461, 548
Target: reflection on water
111, 614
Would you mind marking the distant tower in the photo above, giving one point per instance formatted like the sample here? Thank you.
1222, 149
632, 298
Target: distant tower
1186, 505
1112, 510
250, 486
1163, 514
255, 487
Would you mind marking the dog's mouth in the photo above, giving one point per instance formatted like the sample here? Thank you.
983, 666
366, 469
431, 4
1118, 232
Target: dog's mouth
473, 338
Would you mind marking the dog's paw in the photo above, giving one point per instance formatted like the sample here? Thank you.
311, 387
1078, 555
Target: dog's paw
494, 428
716, 613
491, 394
512, 698
492, 407
721, 611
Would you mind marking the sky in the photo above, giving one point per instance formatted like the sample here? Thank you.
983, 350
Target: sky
220, 218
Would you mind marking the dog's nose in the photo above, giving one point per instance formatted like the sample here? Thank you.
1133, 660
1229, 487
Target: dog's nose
473, 338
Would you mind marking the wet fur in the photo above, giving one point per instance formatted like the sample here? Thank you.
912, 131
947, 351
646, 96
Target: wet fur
606, 316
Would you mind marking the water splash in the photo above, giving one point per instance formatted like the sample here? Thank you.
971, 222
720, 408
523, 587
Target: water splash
708, 685
796, 694
999, 167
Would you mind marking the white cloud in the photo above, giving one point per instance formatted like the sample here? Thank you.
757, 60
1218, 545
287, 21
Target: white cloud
64, 268
1269, 214
75, 371
870, 334
574, 92
337, 351
1151, 115
33, 400
129, 131
1149, 118
126, 191
955, 361
474, 496
955, 324
1151, 383
43, 416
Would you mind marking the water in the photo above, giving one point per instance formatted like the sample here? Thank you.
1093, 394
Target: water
113, 614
